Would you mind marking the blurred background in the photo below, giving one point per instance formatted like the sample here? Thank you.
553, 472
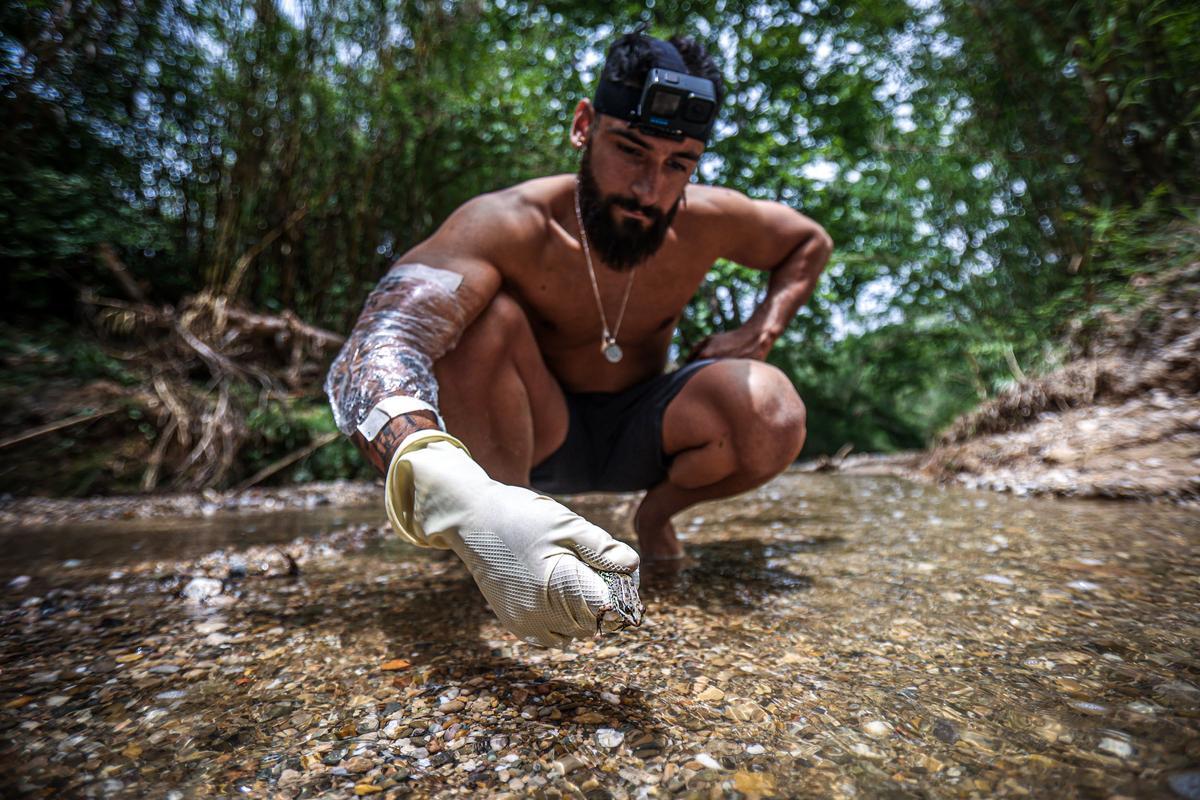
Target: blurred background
196, 197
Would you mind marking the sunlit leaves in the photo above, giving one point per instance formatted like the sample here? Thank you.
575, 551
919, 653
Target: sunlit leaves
961, 154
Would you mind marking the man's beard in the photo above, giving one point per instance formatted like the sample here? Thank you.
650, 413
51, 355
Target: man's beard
625, 244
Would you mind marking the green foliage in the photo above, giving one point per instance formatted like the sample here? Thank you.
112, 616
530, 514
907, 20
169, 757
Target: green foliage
986, 170
283, 426
53, 352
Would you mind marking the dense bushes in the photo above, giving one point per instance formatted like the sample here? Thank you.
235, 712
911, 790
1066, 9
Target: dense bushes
987, 172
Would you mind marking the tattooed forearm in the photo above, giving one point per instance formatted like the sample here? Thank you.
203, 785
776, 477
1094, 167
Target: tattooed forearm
379, 451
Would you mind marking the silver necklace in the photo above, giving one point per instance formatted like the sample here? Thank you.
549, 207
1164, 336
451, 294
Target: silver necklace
608, 339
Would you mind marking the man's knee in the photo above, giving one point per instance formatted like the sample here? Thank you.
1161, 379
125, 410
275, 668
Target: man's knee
499, 327
777, 417
763, 412
506, 313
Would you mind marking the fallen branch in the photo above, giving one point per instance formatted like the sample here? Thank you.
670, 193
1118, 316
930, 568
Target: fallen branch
56, 426
834, 463
249, 321
150, 476
205, 338
287, 321
175, 407
287, 460
108, 257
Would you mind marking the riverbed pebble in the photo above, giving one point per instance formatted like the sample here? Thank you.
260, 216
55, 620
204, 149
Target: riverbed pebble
609, 738
877, 729
1115, 746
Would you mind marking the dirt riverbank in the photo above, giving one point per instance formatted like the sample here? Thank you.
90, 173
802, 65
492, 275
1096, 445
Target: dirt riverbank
1121, 419
28, 511
1142, 449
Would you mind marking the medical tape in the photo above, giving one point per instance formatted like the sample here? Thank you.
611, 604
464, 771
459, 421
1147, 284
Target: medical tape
448, 280
388, 409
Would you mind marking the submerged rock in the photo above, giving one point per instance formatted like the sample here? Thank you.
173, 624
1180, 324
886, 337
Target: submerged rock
200, 589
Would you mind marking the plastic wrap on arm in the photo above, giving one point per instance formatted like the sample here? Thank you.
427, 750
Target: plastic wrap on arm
411, 319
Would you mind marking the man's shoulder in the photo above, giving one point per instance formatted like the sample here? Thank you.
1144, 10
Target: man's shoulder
707, 200
711, 211
504, 227
521, 210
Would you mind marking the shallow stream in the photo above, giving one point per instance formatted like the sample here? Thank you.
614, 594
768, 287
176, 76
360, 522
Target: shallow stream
829, 636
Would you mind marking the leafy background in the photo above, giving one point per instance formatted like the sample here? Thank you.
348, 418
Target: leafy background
985, 170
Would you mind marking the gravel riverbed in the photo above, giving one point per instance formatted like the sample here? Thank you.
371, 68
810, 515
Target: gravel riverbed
828, 636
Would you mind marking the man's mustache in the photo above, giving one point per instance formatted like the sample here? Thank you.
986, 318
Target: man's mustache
629, 204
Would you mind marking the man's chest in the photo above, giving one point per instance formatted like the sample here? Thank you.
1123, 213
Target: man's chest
567, 305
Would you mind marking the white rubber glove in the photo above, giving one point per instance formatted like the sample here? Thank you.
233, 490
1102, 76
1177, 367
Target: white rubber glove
549, 575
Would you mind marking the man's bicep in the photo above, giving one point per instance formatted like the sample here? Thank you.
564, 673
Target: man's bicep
470, 244
762, 233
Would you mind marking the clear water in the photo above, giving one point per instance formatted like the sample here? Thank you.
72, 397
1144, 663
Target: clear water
828, 636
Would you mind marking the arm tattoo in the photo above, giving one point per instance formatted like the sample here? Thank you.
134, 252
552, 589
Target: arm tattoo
379, 452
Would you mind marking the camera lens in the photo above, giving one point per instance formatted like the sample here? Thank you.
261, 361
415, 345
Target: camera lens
664, 104
698, 110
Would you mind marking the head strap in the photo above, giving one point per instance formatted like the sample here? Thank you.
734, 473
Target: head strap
621, 100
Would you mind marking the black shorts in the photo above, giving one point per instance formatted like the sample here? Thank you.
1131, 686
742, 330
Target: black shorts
614, 439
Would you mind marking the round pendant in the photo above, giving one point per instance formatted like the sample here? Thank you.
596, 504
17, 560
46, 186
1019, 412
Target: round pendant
612, 351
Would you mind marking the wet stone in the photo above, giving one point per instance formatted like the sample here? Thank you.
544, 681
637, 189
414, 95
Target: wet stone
1089, 708
747, 712
289, 777
1186, 784
566, 765
877, 729
1118, 747
358, 764
274, 712
1178, 694
704, 761
199, 590
945, 730
609, 738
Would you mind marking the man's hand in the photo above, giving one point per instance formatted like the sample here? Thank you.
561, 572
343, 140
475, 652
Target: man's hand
747, 341
768, 237
549, 575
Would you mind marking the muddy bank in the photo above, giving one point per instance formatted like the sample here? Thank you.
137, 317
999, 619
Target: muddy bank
1121, 419
1143, 449
27, 511
830, 637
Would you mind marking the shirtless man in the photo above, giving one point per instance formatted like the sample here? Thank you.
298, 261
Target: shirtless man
537, 320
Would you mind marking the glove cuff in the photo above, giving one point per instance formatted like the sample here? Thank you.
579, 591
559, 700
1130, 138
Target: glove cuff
398, 486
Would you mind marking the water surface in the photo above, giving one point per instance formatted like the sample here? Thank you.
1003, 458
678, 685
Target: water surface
829, 636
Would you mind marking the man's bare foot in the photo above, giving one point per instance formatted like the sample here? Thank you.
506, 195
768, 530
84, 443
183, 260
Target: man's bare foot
656, 538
